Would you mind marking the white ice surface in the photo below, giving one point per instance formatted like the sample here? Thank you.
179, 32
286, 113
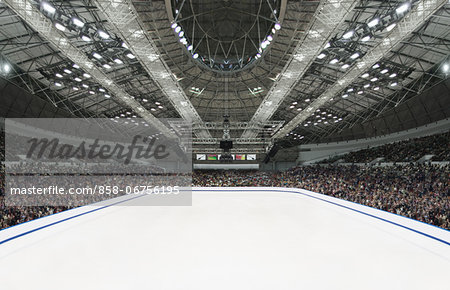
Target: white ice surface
235, 238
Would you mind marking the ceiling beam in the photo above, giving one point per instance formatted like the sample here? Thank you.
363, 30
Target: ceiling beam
415, 18
125, 19
27, 10
327, 18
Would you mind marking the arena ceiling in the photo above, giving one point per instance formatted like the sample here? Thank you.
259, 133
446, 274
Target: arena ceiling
296, 71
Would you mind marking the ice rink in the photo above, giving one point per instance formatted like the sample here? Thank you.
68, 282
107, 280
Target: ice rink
230, 238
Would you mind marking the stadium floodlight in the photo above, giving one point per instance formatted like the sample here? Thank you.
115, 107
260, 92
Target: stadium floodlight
384, 71
58, 75
360, 92
174, 25
366, 38
402, 8
96, 55
157, 103
299, 109
75, 88
321, 56
350, 90
374, 22
177, 29
101, 90
390, 27
102, 34
345, 66
269, 38
355, 55
374, 79
181, 34
334, 60
291, 107
130, 55
375, 66
107, 66
75, 66
118, 61
86, 38
67, 71
348, 34
294, 103
393, 84
366, 86
107, 96
365, 75
393, 75
85, 86
77, 22
327, 45
47, 7
58, 84
86, 75
77, 79
60, 26
445, 67
124, 45
153, 109
190, 47
376, 88
160, 107
277, 26
344, 96
195, 56
92, 92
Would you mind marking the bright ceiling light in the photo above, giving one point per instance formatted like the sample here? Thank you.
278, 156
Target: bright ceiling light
390, 27
107, 66
402, 8
345, 66
270, 38
373, 22
327, 45
375, 66
85, 86
344, 96
102, 34
376, 88
365, 75
118, 61
160, 107
277, 26
58, 75
384, 71
177, 29
348, 34
195, 56
350, 90
393, 84
299, 109
59, 26
47, 7
366, 86
294, 103
92, 92
393, 75
86, 75
75, 88
130, 55
334, 60
360, 92
96, 55
86, 38
77, 22
101, 90
153, 109
365, 38
291, 107
181, 34
77, 79
190, 47
67, 71
374, 79
58, 84
355, 55
174, 25
124, 45
322, 55
107, 96
75, 66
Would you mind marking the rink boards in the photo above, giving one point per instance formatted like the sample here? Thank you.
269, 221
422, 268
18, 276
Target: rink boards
230, 238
